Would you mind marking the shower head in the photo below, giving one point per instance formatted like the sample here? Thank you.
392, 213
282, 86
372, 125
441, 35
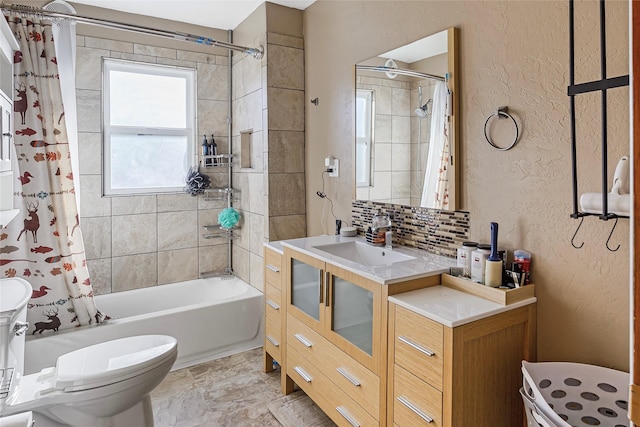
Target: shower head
423, 111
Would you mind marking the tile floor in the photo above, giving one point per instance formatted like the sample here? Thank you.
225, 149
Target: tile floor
228, 392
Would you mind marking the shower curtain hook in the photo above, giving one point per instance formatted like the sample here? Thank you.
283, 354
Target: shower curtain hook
611, 234
575, 234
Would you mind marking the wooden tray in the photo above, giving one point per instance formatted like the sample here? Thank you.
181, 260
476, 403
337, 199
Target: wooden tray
500, 296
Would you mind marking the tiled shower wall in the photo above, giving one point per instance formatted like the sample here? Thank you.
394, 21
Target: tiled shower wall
139, 241
268, 104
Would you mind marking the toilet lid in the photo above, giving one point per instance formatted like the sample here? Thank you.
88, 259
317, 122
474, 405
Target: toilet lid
112, 361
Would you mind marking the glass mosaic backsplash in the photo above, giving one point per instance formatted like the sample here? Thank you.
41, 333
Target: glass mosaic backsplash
435, 231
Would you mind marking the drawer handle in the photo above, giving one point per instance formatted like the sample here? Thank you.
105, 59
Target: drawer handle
272, 341
273, 268
303, 340
273, 305
414, 409
353, 380
347, 416
302, 373
418, 347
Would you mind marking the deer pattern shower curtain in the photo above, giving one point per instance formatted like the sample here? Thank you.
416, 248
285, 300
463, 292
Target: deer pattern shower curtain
44, 244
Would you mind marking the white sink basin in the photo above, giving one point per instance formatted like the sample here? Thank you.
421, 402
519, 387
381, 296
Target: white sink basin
364, 254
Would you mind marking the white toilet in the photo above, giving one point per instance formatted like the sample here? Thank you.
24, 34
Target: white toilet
103, 385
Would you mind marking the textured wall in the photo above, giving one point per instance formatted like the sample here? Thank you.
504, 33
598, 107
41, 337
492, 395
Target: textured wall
512, 53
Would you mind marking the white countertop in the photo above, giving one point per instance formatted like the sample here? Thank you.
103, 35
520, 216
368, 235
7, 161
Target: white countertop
425, 264
276, 246
451, 307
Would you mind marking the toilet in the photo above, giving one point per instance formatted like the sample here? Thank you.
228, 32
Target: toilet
103, 385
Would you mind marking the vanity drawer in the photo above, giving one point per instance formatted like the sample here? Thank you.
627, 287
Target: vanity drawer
273, 338
272, 302
335, 402
415, 403
346, 373
419, 345
273, 268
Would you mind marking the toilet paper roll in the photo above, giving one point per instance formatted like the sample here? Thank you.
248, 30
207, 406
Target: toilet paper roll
619, 204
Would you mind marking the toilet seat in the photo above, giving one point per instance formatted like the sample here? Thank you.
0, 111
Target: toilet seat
108, 362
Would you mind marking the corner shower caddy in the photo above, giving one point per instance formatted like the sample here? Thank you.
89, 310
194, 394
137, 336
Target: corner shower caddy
574, 89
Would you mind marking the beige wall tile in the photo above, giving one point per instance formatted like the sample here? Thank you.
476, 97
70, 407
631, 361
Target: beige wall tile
285, 67
401, 129
246, 77
286, 109
100, 276
196, 57
256, 273
176, 63
96, 234
382, 157
247, 113
256, 225
134, 234
212, 118
284, 40
401, 157
91, 201
382, 127
90, 153
177, 265
213, 258
240, 263
401, 185
88, 103
127, 205
256, 194
381, 189
141, 49
135, 57
287, 227
286, 194
89, 67
134, 272
106, 44
177, 230
400, 102
176, 202
286, 151
212, 82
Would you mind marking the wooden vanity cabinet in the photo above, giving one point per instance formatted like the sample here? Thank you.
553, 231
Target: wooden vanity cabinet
337, 337
467, 375
274, 315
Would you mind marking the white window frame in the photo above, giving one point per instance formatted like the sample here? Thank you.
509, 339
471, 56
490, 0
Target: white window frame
189, 131
364, 144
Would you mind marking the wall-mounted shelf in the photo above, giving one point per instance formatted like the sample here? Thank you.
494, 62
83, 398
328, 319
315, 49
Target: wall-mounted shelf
212, 194
217, 161
217, 232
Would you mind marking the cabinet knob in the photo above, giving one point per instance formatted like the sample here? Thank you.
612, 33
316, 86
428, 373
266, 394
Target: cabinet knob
8, 135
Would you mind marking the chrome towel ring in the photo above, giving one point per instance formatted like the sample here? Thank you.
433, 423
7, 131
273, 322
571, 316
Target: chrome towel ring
502, 113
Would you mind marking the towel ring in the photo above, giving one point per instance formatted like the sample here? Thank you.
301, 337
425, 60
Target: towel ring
501, 113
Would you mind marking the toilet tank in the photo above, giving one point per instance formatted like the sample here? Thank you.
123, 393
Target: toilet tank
14, 295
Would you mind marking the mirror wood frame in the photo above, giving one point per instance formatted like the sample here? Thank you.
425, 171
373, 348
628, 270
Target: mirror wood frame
454, 120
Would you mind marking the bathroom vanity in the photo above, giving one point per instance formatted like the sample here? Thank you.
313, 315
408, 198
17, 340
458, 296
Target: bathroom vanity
379, 336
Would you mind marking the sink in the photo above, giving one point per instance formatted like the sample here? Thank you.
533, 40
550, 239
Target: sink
364, 254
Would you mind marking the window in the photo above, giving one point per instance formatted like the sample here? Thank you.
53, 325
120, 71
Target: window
149, 127
364, 136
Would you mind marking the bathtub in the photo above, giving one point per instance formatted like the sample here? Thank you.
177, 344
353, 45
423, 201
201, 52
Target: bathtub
210, 318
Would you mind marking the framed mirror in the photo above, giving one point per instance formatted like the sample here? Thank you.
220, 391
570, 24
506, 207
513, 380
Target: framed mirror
406, 129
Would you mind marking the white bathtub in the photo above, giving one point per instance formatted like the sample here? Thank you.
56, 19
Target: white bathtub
210, 318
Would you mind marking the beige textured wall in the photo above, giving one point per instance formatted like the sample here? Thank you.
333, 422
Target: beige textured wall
512, 53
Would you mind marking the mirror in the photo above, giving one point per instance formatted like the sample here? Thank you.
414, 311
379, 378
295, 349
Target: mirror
406, 124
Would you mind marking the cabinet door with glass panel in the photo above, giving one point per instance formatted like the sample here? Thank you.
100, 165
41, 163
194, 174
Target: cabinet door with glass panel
342, 306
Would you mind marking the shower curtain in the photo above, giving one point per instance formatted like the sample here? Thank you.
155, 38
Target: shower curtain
44, 243
434, 191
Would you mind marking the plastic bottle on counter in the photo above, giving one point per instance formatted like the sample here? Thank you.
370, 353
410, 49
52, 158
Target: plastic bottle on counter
464, 257
524, 259
478, 261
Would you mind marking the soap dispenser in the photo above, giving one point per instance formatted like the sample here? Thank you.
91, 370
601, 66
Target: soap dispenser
380, 224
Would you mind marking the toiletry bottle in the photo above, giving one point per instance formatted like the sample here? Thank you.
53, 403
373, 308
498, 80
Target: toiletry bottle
478, 260
205, 151
493, 266
464, 257
213, 149
524, 259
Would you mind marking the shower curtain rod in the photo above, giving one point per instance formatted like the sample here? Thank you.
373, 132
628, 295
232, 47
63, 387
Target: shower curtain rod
256, 52
405, 72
